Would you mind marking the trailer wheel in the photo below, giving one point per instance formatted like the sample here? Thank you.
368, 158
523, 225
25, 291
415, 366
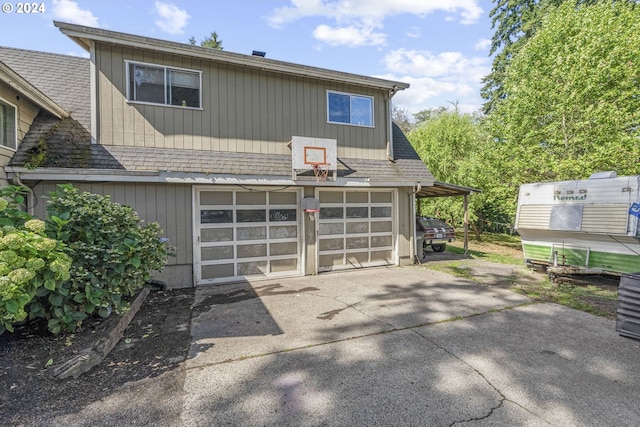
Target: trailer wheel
439, 248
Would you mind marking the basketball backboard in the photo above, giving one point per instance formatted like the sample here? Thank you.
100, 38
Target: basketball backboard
307, 152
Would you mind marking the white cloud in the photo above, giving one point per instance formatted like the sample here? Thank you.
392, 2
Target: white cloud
414, 32
357, 17
482, 44
349, 36
69, 11
436, 78
372, 10
171, 19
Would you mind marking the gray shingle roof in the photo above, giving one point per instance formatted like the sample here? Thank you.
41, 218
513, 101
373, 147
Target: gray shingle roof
69, 146
63, 78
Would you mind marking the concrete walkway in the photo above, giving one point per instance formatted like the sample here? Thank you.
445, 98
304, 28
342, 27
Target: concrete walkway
402, 346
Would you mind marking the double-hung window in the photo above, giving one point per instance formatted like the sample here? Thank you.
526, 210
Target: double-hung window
164, 85
349, 109
8, 125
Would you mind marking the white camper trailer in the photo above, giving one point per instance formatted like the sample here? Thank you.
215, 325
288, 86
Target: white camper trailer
585, 226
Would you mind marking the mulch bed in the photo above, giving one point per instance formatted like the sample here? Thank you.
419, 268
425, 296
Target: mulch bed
156, 341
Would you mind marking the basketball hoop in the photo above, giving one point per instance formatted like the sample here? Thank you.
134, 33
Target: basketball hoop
321, 171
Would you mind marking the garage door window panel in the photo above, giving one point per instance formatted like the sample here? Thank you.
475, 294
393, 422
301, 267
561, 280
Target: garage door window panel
283, 232
357, 212
331, 228
251, 215
216, 216
357, 227
251, 233
331, 213
252, 268
252, 250
211, 235
282, 215
287, 248
215, 253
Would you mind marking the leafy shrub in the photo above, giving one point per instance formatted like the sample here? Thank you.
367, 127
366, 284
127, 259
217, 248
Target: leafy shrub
28, 260
113, 256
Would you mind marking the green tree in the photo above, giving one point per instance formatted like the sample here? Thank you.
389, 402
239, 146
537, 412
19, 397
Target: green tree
451, 144
572, 105
515, 22
211, 41
401, 117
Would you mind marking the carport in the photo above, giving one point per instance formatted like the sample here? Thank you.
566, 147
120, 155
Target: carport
443, 189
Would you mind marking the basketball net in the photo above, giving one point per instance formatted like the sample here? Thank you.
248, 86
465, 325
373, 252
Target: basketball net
321, 171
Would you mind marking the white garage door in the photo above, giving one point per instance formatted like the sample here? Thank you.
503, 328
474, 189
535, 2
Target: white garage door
246, 234
355, 229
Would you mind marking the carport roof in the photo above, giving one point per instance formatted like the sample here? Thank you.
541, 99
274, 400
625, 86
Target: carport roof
443, 189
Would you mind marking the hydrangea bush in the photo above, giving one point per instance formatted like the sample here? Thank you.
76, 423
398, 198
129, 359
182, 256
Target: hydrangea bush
28, 260
113, 254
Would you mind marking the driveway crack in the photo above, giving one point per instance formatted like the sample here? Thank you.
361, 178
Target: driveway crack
503, 398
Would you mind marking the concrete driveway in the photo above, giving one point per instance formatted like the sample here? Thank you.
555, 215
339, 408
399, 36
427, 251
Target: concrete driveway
402, 346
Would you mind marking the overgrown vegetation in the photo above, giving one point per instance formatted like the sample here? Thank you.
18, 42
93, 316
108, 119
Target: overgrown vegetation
562, 103
499, 248
88, 258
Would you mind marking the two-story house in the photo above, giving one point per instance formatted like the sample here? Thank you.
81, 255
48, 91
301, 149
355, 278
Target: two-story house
222, 149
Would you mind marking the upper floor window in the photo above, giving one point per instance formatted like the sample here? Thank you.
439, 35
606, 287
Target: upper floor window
164, 85
8, 126
349, 109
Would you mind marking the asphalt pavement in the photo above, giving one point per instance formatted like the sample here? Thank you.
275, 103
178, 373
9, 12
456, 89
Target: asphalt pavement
385, 346
402, 346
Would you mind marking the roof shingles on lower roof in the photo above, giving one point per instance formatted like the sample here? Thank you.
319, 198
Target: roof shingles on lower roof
68, 146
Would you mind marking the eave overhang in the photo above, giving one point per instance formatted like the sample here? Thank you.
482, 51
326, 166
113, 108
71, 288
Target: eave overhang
84, 35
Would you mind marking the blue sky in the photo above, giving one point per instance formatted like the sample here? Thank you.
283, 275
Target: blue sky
440, 47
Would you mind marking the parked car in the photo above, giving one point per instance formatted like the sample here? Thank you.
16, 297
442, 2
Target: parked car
437, 233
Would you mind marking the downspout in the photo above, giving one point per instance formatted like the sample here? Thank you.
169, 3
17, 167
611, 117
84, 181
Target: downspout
390, 125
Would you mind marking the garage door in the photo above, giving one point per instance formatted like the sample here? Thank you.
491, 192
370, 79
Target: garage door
355, 229
246, 234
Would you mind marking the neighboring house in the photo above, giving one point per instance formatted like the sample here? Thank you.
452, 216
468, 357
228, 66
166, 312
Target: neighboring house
216, 147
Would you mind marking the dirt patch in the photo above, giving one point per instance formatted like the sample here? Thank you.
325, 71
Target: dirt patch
596, 294
155, 342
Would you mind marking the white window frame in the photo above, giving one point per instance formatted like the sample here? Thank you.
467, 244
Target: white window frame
165, 68
351, 95
15, 125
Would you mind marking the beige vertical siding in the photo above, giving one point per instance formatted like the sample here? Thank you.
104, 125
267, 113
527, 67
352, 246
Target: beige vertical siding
406, 217
244, 110
169, 205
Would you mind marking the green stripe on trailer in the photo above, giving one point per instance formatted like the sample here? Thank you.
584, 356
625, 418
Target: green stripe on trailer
618, 263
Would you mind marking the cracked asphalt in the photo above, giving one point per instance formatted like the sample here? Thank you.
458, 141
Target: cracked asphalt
401, 346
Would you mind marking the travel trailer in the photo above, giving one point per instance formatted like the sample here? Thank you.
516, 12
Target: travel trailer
589, 226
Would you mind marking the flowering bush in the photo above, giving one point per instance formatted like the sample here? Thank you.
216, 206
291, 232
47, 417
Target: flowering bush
28, 260
113, 256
